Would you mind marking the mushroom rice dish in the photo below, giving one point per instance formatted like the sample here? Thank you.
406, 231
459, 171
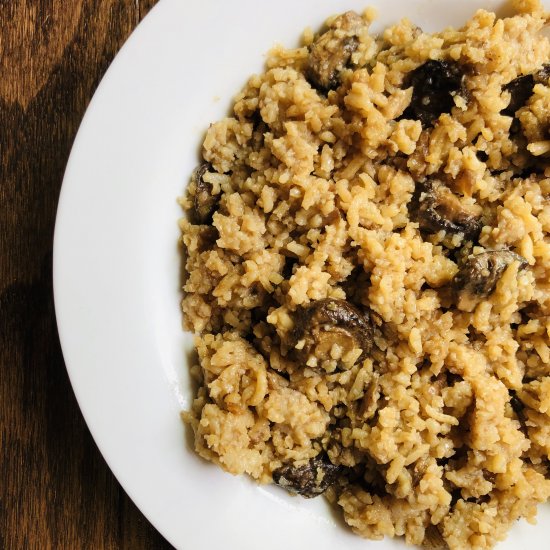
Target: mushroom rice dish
367, 273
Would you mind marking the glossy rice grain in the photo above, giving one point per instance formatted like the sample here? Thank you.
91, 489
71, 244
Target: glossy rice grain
367, 267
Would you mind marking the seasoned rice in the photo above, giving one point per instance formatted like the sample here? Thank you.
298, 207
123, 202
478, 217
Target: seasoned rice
367, 259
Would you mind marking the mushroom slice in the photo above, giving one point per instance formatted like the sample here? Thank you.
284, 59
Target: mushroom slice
434, 85
310, 480
479, 274
433, 539
207, 237
331, 328
332, 50
521, 88
440, 209
204, 202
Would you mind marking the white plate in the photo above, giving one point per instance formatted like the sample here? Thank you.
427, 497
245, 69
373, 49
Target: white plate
116, 265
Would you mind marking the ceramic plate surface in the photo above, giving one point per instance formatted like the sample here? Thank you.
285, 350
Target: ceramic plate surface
117, 266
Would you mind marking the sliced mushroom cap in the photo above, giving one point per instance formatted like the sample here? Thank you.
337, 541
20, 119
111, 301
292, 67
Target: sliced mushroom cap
542, 75
310, 480
207, 238
419, 469
328, 323
332, 50
517, 406
479, 274
369, 402
440, 209
521, 88
204, 202
433, 539
434, 85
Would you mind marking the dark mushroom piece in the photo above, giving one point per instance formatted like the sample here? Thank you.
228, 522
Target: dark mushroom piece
310, 480
440, 209
521, 89
369, 403
204, 202
332, 50
327, 322
478, 276
433, 539
434, 85
419, 469
207, 238
519, 409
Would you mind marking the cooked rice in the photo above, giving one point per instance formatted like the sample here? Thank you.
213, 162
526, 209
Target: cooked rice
441, 432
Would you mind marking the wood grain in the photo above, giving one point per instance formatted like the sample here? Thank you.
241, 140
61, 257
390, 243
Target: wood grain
56, 491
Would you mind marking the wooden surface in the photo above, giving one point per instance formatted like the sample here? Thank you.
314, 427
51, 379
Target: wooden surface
55, 489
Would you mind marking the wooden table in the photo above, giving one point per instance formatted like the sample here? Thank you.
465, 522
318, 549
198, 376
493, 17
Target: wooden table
55, 489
